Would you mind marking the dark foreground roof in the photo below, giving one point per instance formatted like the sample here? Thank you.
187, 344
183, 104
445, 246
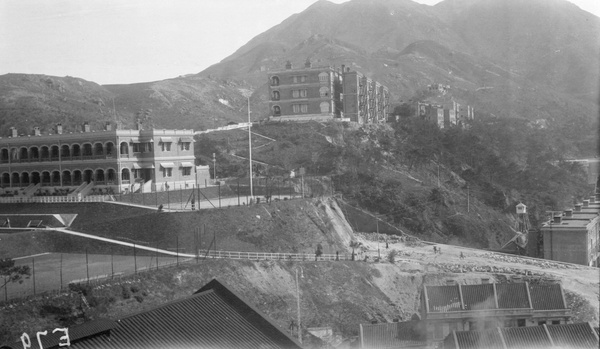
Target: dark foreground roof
214, 317
392, 335
569, 336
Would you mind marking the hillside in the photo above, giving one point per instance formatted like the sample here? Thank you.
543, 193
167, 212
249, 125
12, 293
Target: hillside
532, 60
338, 294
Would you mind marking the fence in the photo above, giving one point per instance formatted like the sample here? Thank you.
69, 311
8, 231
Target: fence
233, 192
275, 256
55, 199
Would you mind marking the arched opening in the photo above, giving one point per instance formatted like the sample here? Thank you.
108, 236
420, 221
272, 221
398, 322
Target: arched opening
23, 154
323, 91
274, 81
276, 95
5, 180
54, 152
87, 149
125, 176
99, 178
35, 177
88, 176
124, 149
16, 179
111, 176
45, 153
276, 110
34, 153
76, 150
67, 179
65, 152
14, 154
98, 149
323, 77
25, 179
77, 178
110, 148
4, 155
55, 180
324, 107
46, 178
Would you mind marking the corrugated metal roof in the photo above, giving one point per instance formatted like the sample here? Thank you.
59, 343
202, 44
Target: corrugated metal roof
443, 298
573, 336
526, 337
214, 317
546, 297
479, 339
478, 297
393, 335
511, 296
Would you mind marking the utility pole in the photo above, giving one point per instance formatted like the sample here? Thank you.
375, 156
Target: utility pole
250, 149
298, 304
214, 167
468, 200
378, 250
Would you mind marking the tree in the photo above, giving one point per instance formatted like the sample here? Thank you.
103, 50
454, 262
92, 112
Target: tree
354, 244
11, 273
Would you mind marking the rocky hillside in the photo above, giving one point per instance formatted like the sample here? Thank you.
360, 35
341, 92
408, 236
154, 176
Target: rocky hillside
533, 60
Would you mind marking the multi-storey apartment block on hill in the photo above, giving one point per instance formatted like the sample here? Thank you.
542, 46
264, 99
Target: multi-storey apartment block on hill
324, 93
111, 160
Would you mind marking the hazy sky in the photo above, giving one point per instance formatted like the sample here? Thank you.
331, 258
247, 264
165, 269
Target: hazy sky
126, 41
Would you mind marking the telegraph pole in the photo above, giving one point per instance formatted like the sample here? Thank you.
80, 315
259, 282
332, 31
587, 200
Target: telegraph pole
250, 149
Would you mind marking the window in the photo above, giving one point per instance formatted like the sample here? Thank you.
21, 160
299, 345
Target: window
555, 322
323, 77
520, 322
473, 326
275, 95
186, 171
168, 172
136, 147
299, 79
185, 146
274, 81
300, 108
323, 91
299, 93
542, 322
276, 110
324, 107
166, 146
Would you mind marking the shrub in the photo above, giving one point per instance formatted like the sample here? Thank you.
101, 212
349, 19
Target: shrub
139, 298
125, 292
391, 257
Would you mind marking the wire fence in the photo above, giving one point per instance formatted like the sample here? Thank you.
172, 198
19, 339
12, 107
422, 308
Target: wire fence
233, 192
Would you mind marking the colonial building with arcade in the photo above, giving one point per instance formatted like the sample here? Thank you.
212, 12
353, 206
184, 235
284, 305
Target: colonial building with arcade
105, 161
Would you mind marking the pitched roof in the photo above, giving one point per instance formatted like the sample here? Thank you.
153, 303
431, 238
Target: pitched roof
214, 317
569, 336
449, 298
392, 335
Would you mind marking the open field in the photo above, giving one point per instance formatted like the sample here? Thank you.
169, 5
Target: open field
55, 270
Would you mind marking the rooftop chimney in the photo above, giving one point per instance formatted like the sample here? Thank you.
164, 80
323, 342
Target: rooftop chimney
592, 199
36, 131
557, 218
307, 64
13, 132
107, 126
288, 65
138, 124
568, 213
578, 207
343, 68
516, 278
450, 282
86, 127
586, 203
59, 129
485, 280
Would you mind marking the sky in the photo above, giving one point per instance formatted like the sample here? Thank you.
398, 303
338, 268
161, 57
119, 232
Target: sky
128, 41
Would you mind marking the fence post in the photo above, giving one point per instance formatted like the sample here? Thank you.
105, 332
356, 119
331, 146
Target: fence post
112, 267
238, 191
168, 199
5, 290
33, 272
157, 256
61, 277
87, 267
219, 193
177, 237
134, 261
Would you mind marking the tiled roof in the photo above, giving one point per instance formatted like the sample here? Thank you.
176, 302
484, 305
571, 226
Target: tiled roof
547, 297
214, 317
573, 335
478, 297
526, 337
482, 297
479, 339
569, 336
392, 335
443, 298
512, 296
